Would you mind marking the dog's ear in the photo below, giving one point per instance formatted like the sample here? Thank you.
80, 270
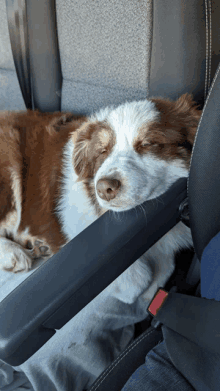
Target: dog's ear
181, 115
81, 161
187, 112
185, 102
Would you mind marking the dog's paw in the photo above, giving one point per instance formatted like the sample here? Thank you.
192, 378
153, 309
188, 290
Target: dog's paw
13, 258
37, 249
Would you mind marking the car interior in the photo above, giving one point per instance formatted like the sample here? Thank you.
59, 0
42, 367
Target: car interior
80, 56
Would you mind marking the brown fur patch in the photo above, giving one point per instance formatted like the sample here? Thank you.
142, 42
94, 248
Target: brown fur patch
31, 150
94, 143
171, 136
32, 144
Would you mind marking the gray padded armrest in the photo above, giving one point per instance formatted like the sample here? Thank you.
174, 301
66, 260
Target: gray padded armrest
74, 276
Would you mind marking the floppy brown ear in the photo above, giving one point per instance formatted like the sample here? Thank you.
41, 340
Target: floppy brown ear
182, 115
185, 102
80, 153
185, 105
187, 111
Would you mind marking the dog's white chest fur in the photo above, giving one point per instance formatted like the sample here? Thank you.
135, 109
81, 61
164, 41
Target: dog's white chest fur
150, 271
74, 209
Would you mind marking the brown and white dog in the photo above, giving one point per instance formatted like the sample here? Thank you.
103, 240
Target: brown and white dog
59, 172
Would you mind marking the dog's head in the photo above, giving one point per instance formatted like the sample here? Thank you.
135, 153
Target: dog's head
133, 153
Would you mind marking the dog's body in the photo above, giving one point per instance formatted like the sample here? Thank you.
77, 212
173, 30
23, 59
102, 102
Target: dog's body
59, 172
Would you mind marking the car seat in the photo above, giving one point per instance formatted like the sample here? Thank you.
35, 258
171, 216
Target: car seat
180, 58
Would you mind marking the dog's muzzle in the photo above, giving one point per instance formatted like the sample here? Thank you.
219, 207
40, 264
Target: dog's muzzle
107, 189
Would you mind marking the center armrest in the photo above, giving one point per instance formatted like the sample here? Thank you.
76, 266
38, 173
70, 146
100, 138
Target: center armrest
69, 280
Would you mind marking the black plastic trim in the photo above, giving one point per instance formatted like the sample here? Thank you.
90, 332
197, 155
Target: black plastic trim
74, 276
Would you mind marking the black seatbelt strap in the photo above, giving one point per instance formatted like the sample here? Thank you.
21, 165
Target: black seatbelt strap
195, 318
17, 25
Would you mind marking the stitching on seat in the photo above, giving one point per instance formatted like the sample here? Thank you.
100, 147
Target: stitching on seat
208, 8
210, 91
210, 42
122, 355
204, 94
207, 44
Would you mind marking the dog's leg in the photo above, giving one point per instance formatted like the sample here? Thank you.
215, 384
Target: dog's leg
13, 257
162, 273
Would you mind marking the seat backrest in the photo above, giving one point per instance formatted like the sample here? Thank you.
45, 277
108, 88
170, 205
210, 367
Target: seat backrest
111, 53
105, 52
104, 49
10, 93
185, 48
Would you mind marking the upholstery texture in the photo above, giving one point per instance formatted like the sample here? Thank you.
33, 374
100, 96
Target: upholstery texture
10, 93
105, 52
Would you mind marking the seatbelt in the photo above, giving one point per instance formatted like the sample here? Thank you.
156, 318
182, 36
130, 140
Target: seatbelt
17, 25
198, 319
195, 318
117, 374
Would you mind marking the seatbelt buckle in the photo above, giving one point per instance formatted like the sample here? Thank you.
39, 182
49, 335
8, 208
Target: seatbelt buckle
156, 303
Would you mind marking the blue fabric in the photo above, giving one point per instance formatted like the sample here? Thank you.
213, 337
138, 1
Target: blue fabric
210, 270
159, 373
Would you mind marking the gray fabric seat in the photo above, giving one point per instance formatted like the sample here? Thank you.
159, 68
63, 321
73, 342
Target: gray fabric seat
112, 52
105, 54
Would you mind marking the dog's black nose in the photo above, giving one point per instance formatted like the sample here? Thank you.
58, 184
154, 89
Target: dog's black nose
107, 189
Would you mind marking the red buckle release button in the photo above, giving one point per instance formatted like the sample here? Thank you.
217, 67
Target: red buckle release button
157, 302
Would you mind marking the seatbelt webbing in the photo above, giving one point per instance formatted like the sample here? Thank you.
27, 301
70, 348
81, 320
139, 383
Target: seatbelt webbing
17, 25
195, 318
